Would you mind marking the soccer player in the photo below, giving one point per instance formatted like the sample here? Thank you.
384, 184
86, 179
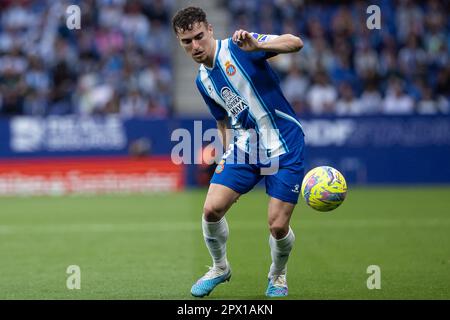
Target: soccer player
243, 94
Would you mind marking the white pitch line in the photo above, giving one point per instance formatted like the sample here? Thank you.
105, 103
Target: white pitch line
97, 228
234, 225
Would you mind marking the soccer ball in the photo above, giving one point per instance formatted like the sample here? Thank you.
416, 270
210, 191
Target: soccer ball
324, 188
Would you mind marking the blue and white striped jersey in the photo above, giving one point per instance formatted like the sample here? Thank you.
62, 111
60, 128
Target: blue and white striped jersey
242, 86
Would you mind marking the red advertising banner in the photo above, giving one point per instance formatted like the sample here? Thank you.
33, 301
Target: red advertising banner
89, 176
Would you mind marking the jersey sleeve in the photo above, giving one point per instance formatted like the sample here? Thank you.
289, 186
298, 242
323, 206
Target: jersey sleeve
216, 110
263, 38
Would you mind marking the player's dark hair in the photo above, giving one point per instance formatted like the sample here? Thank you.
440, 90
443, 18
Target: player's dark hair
185, 19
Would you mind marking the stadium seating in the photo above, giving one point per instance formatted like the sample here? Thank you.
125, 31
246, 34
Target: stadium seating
117, 62
347, 69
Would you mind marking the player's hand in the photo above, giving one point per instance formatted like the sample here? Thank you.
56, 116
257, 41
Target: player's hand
245, 40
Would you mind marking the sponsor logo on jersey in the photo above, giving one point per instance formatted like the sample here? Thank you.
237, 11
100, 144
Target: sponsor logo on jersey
235, 104
230, 68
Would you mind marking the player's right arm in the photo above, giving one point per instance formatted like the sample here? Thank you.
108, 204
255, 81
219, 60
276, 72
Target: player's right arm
219, 113
223, 126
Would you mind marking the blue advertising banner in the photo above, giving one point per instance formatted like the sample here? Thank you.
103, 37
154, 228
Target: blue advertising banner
382, 149
413, 149
77, 136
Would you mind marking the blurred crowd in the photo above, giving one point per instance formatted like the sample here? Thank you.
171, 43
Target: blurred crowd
118, 62
347, 69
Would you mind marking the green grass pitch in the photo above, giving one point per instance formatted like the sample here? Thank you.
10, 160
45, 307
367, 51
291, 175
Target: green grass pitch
151, 246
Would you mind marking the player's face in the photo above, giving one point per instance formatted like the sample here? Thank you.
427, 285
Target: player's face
198, 43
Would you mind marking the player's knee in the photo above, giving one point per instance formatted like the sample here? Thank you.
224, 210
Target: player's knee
213, 213
278, 230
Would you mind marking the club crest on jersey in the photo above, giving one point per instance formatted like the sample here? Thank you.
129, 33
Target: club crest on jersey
230, 68
235, 104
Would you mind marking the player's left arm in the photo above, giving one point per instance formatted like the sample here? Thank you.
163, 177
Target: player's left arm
285, 43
